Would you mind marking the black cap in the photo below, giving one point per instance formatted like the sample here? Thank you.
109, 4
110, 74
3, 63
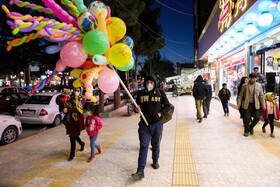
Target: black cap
253, 75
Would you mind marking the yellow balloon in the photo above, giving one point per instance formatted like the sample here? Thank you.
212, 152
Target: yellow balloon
120, 55
116, 29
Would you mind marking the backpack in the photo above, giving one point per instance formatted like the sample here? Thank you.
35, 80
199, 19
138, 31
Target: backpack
168, 116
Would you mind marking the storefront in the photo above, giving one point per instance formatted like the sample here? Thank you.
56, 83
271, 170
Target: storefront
241, 35
232, 69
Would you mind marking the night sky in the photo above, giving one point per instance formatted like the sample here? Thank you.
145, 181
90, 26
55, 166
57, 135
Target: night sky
178, 27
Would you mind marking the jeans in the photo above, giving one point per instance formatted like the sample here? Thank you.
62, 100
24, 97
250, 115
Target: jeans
251, 111
146, 133
93, 144
225, 106
271, 121
198, 104
206, 106
73, 144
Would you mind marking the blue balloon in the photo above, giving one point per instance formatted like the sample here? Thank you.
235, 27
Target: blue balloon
42, 85
53, 49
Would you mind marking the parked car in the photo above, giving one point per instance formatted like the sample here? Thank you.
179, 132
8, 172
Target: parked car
111, 96
13, 89
9, 102
41, 108
10, 128
95, 93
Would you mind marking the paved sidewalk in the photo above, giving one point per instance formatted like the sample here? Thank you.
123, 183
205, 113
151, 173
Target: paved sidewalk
211, 153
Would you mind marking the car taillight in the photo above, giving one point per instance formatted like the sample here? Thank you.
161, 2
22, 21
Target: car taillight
43, 112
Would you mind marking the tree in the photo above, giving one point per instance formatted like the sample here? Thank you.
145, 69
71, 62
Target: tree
151, 39
159, 66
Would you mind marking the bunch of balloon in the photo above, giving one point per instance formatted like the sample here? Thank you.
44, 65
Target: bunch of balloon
88, 40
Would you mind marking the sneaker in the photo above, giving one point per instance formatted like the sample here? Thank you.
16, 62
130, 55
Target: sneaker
200, 120
82, 146
205, 116
155, 164
272, 135
91, 158
246, 134
99, 149
197, 118
70, 158
252, 131
138, 175
263, 130
227, 114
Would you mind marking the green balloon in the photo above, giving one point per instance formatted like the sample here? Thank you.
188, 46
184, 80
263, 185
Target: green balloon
95, 42
128, 66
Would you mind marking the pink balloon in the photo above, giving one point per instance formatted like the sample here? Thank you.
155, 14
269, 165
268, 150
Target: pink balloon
73, 54
108, 80
60, 66
62, 14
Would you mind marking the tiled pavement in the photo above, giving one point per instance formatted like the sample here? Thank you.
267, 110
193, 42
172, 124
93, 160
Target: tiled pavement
211, 153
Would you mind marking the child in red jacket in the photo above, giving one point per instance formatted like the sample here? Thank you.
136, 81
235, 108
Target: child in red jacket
271, 112
93, 125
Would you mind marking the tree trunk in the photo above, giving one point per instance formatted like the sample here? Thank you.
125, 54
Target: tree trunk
101, 101
131, 74
136, 67
117, 98
27, 78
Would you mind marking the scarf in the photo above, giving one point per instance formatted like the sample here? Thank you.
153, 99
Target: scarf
267, 97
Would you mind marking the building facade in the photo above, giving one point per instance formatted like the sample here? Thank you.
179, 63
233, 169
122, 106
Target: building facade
238, 36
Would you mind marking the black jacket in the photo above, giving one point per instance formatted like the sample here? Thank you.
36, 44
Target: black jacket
199, 89
209, 91
221, 96
153, 102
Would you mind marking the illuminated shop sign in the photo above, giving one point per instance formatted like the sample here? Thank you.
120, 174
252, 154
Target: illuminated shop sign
229, 8
237, 58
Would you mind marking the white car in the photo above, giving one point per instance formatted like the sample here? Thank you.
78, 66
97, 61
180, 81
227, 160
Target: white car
41, 108
10, 128
95, 93
111, 96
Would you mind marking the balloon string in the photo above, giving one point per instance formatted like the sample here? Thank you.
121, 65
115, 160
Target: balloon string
128, 93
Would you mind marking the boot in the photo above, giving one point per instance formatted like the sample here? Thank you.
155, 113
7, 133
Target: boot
82, 146
138, 175
155, 164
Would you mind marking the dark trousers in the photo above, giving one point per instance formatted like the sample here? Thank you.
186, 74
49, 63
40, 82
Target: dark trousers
271, 121
248, 113
206, 106
73, 144
225, 105
152, 133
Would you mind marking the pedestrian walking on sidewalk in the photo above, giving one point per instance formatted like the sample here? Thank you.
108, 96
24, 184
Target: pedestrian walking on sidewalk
243, 81
93, 125
154, 104
199, 94
260, 78
252, 98
207, 100
271, 112
74, 123
224, 95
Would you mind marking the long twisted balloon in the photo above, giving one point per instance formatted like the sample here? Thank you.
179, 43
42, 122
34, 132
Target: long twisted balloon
73, 9
25, 39
29, 26
32, 6
62, 14
41, 85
